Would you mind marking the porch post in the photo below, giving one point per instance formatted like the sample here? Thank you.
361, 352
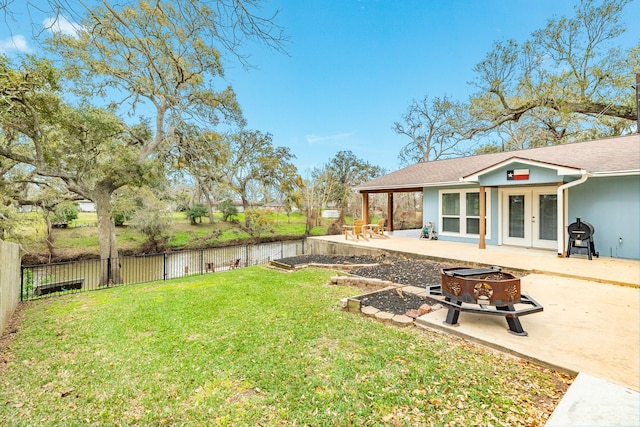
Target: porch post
389, 211
365, 207
483, 214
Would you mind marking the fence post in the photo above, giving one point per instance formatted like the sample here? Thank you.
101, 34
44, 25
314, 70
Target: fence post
108, 271
21, 284
164, 266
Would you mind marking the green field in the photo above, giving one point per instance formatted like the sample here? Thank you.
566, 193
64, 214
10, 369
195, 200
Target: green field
81, 237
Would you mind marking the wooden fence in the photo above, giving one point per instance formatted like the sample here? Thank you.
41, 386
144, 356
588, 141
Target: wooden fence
9, 281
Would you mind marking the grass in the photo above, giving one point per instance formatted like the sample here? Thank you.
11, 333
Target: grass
252, 347
81, 237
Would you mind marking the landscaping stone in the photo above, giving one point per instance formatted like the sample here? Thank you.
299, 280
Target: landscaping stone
369, 311
402, 320
424, 309
414, 314
384, 316
353, 304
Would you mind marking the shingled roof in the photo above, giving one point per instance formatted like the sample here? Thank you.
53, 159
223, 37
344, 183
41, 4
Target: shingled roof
602, 156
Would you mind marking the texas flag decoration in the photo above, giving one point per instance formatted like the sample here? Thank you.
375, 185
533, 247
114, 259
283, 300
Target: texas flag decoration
518, 175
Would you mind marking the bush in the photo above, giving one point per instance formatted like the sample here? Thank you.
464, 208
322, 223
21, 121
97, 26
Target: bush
119, 218
228, 209
154, 221
335, 228
259, 221
196, 212
65, 213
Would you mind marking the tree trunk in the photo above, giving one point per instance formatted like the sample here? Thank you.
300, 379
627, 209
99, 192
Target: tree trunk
49, 238
110, 270
209, 206
309, 222
245, 206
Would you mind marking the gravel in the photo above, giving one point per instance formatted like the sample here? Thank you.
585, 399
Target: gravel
394, 301
401, 271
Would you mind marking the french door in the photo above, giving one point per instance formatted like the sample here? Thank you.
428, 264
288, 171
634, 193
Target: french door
529, 217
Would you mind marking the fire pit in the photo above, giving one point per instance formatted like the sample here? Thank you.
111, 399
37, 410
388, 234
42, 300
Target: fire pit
483, 291
480, 286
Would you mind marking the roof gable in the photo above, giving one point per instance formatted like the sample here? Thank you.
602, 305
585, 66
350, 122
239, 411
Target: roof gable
561, 170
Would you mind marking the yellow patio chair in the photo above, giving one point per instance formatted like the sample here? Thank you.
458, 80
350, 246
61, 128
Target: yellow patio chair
379, 229
359, 229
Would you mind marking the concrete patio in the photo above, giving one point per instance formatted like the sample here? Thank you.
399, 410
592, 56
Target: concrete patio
590, 324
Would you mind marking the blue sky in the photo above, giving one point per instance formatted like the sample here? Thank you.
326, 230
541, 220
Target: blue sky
354, 66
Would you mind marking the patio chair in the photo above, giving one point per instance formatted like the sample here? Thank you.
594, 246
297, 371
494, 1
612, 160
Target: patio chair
359, 229
376, 230
356, 231
379, 229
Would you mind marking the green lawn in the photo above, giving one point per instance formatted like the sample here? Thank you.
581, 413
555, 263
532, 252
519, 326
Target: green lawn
252, 347
81, 237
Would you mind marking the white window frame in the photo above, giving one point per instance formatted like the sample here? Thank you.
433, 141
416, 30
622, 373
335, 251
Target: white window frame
462, 194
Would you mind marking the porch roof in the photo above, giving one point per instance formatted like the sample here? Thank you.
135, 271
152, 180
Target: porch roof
616, 155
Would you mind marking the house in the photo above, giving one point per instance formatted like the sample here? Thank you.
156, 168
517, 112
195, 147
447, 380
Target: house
86, 206
330, 213
529, 197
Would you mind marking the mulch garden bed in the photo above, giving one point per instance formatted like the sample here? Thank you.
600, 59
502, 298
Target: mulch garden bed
394, 301
401, 271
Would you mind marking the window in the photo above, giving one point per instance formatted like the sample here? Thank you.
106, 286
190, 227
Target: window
460, 212
473, 213
451, 212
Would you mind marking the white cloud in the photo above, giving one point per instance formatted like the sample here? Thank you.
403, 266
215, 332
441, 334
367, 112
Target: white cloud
334, 138
62, 25
17, 43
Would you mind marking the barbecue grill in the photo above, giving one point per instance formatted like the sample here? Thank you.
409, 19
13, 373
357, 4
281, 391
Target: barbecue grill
581, 239
482, 291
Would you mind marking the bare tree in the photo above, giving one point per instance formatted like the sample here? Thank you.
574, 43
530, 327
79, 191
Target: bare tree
434, 128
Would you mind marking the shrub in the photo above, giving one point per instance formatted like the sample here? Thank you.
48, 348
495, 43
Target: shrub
228, 209
335, 228
154, 221
65, 213
119, 218
196, 212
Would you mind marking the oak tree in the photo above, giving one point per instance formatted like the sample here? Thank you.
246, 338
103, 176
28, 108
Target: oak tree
570, 80
254, 162
156, 67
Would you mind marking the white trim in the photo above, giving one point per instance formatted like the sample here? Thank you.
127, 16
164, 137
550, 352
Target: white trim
560, 170
615, 173
564, 213
528, 241
462, 215
403, 186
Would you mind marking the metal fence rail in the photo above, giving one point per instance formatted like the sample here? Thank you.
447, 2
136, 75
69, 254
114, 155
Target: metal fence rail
44, 280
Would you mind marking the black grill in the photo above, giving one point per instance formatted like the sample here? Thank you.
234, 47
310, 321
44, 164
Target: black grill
581, 239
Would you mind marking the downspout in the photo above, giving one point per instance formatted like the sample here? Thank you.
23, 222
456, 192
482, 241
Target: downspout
560, 206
